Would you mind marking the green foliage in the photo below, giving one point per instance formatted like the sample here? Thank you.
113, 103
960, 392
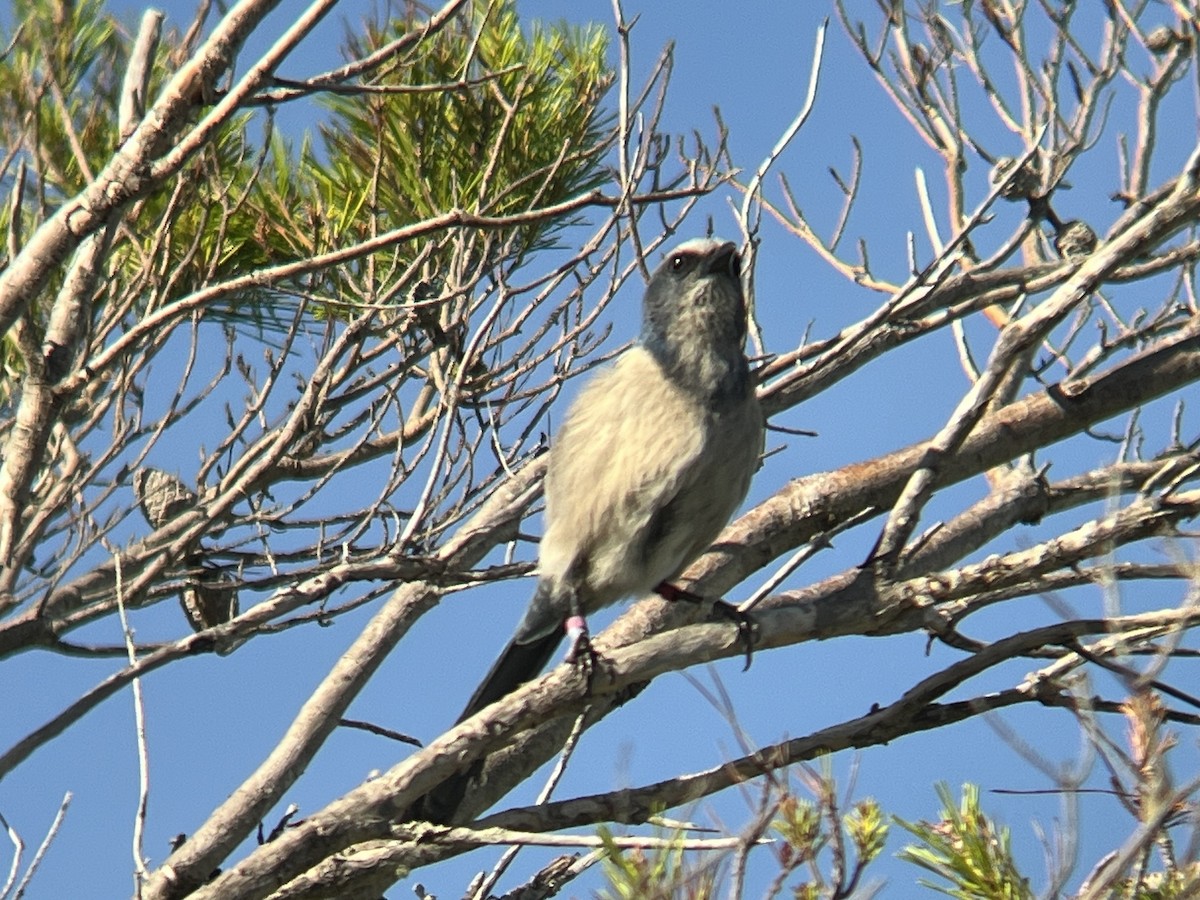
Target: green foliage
639, 875
58, 92
492, 123
798, 823
868, 829
1176, 884
59, 83
807, 829
832, 848
489, 119
513, 121
59, 98
966, 849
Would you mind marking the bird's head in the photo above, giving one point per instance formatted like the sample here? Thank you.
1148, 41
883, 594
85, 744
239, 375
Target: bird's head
694, 317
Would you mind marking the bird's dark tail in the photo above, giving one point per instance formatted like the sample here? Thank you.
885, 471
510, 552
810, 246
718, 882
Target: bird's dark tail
519, 663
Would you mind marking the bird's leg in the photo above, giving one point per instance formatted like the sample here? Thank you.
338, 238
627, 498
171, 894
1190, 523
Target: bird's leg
743, 620
578, 641
579, 644
673, 592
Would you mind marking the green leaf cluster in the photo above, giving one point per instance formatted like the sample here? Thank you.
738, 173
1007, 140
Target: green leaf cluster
1175, 884
806, 829
967, 850
59, 84
635, 874
492, 125
483, 116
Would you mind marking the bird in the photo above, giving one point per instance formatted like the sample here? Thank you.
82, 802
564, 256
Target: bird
1074, 239
210, 596
655, 455
161, 495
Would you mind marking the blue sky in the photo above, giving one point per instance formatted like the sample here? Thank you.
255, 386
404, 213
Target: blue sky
212, 719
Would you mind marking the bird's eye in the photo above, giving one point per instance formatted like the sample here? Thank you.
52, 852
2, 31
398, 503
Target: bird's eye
677, 262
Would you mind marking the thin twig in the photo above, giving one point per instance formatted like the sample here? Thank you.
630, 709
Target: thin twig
141, 872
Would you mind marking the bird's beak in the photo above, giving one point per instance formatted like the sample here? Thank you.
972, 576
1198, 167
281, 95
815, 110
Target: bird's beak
724, 260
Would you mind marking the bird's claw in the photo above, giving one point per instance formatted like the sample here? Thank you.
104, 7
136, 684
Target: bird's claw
745, 623
673, 592
577, 638
581, 653
743, 620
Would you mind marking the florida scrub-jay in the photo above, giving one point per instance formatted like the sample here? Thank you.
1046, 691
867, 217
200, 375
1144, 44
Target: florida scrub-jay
654, 457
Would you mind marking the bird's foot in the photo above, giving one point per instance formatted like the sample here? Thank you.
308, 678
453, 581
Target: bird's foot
578, 642
746, 626
672, 592
743, 620
580, 651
